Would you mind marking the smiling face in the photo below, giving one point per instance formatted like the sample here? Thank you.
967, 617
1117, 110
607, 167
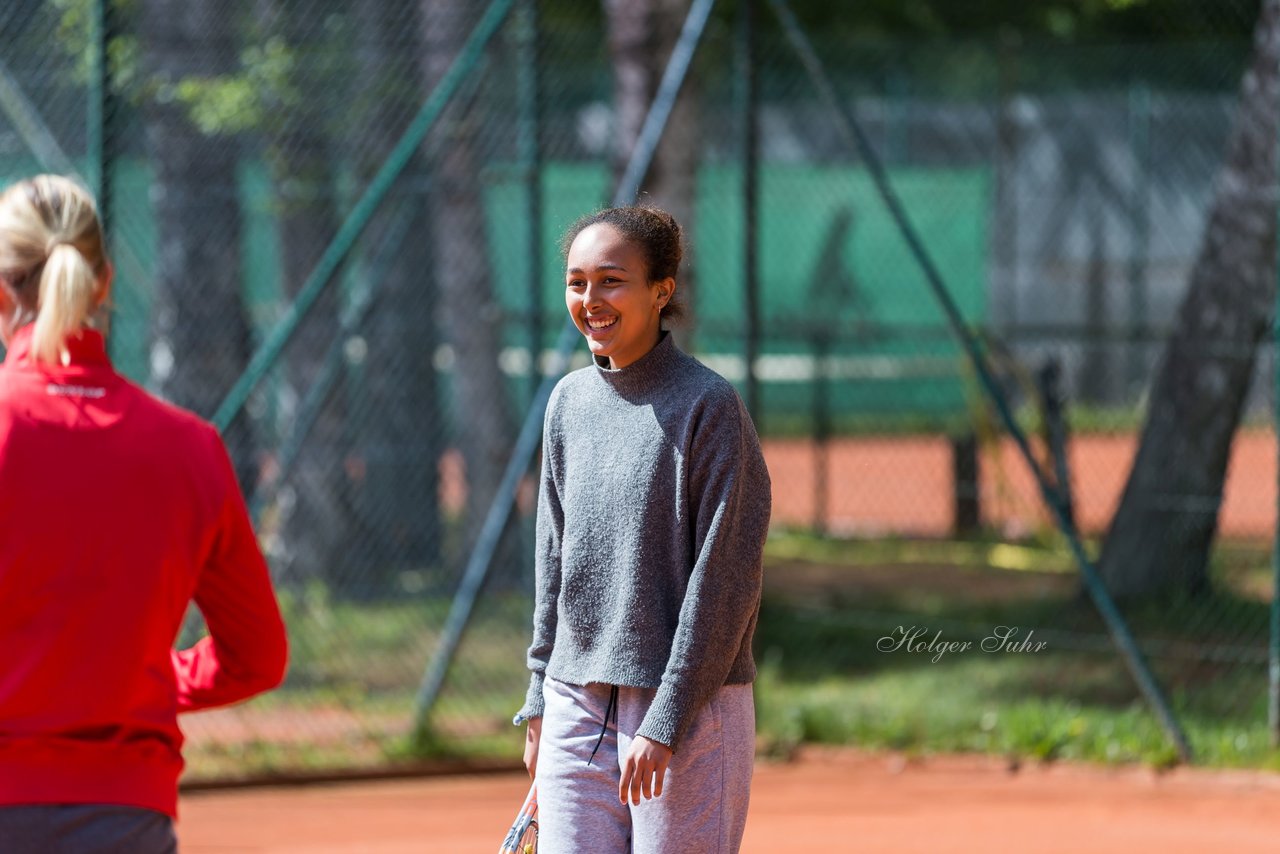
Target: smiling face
610, 297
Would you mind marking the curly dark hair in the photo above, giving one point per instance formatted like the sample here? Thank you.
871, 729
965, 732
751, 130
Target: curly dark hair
655, 231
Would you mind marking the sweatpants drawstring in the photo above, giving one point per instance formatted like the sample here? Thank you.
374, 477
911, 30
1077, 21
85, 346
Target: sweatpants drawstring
611, 709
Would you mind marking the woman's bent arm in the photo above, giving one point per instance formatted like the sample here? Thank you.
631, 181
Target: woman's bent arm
729, 496
246, 650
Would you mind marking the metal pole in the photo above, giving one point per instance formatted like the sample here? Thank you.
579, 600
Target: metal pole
1120, 634
747, 114
664, 101
336, 253
1004, 236
531, 430
95, 168
531, 167
1139, 225
100, 137
821, 434
1273, 649
110, 140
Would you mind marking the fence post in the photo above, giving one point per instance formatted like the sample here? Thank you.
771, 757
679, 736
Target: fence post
748, 104
1049, 381
1273, 652
1273, 656
967, 508
529, 91
1139, 227
821, 433
1007, 175
95, 169
100, 123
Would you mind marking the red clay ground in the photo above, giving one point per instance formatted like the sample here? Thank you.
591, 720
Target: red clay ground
841, 800
903, 485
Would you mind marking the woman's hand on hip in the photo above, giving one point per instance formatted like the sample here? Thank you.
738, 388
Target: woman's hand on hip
643, 770
532, 736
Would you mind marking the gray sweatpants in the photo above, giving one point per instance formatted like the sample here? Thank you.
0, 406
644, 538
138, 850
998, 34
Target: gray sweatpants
703, 806
85, 829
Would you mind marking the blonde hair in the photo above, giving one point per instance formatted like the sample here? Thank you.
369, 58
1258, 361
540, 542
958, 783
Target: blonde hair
53, 257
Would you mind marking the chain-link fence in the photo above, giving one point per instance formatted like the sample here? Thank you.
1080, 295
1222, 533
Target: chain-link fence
402, 170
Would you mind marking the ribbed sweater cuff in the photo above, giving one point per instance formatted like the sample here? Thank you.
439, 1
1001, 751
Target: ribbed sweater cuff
667, 719
533, 703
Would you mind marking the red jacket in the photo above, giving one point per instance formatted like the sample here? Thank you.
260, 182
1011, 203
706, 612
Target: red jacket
116, 510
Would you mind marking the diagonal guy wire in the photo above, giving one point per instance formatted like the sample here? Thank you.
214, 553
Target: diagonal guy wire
1120, 633
269, 352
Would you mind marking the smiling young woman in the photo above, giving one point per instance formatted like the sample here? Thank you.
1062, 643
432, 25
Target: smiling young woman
612, 296
652, 514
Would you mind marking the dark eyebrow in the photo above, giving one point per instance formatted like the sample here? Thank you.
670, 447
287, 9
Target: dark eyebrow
579, 270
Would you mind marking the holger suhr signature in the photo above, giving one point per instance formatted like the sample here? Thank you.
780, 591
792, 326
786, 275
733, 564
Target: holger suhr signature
916, 639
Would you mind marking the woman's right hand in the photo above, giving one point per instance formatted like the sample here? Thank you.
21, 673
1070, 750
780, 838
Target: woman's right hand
532, 735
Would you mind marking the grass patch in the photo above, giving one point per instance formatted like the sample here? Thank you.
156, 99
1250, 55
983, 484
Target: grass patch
1034, 555
823, 678
832, 670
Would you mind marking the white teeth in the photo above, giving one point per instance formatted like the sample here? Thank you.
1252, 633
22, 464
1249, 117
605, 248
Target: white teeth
601, 324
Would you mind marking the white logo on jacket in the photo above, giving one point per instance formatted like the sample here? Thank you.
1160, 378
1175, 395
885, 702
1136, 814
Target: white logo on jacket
75, 390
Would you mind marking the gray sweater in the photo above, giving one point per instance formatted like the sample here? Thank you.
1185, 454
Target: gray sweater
652, 514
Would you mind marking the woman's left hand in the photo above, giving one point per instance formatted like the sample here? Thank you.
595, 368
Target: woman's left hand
643, 770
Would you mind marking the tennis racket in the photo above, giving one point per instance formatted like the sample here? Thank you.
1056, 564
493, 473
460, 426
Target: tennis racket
522, 838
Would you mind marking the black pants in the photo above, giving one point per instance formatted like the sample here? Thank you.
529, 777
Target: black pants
85, 829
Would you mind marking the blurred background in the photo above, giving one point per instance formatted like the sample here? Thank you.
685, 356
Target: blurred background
370, 196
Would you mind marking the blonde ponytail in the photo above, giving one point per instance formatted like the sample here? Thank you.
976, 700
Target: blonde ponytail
67, 297
52, 259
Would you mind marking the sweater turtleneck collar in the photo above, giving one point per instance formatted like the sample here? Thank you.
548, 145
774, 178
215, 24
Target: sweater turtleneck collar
649, 371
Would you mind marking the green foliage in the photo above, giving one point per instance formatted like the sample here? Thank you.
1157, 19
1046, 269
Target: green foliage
1033, 556
75, 31
220, 105
240, 102
124, 58
76, 35
245, 100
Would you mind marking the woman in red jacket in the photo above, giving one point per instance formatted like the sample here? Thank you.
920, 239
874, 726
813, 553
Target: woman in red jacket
116, 511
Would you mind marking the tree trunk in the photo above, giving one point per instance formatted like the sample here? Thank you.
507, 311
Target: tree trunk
642, 34
1160, 537
399, 435
201, 341
470, 316
315, 529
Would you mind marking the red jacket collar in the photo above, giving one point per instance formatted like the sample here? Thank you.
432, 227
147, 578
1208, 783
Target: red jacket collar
86, 348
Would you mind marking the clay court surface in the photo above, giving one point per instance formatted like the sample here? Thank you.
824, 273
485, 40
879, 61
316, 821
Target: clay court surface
904, 484
846, 800
828, 800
